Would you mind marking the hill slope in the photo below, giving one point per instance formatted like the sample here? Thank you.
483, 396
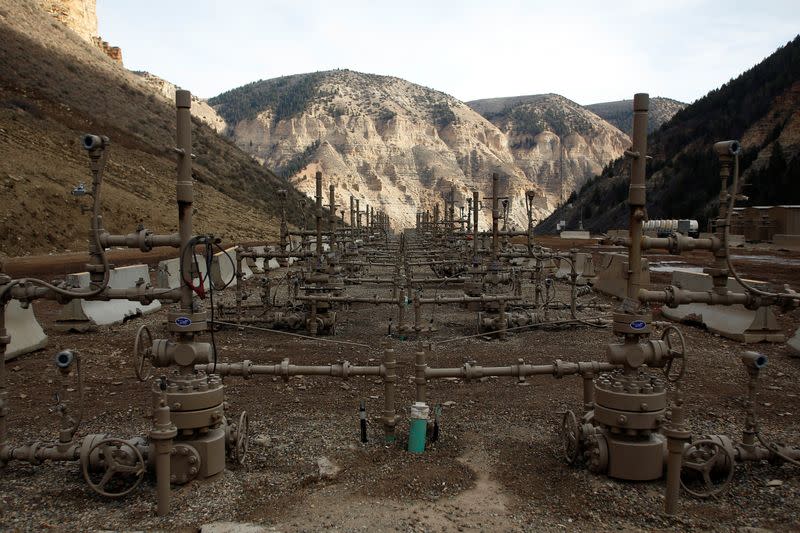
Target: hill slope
620, 113
551, 136
397, 145
54, 86
761, 108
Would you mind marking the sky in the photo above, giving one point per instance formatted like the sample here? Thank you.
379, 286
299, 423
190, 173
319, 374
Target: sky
588, 51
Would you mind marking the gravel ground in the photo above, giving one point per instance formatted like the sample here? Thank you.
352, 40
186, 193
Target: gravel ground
496, 467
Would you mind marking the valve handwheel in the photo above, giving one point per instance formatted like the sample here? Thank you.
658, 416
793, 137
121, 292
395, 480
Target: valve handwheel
142, 352
704, 457
121, 461
242, 443
570, 437
676, 347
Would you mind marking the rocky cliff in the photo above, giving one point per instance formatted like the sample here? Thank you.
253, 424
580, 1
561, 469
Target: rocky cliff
80, 16
399, 146
555, 141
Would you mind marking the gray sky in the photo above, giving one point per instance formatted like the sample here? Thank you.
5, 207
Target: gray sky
587, 51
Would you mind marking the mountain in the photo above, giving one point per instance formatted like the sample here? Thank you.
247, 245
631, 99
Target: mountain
760, 108
620, 113
551, 136
55, 85
401, 146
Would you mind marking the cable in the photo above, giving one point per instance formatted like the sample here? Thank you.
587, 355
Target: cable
726, 231
318, 339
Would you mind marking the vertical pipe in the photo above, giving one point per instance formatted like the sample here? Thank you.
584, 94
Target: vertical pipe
475, 200
239, 278
389, 384
319, 215
185, 190
420, 365
636, 193
588, 391
677, 438
161, 435
332, 217
352, 214
495, 217
358, 216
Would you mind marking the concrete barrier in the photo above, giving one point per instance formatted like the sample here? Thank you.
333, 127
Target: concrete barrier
256, 264
794, 343
223, 270
612, 276
786, 242
583, 267
83, 315
575, 235
169, 274
731, 321
26, 333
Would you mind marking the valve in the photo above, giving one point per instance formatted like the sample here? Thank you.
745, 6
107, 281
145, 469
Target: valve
241, 439
142, 353
570, 437
121, 461
676, 349
704, 458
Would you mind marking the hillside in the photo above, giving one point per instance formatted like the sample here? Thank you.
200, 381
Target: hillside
620, 113
550, 135
400, 146
55, 86
760, 108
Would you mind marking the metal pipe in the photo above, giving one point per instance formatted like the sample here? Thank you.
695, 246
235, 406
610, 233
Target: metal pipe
318, 214
390, 416
495, 218
162, 434
636, 193
420, 376
184, 192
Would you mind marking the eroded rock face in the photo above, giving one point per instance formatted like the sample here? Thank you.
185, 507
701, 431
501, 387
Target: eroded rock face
78, 15
81, 17
400, 147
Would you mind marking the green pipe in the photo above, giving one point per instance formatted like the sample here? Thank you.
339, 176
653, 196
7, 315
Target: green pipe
419, 427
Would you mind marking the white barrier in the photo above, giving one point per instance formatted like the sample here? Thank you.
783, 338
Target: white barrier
26, 333
612, 277
794, 343
169, 273
732, 321
223, 268
583, 267
575, 235
82, 315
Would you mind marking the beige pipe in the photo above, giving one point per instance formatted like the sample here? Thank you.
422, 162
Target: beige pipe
285, 369
389, 384
421, 376
162, 434
636, 193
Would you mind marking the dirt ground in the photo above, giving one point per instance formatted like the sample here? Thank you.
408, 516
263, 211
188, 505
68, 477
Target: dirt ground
497, 465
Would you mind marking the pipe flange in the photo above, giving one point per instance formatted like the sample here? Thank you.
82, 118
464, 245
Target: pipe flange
185, 463
596, 453
284, 369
